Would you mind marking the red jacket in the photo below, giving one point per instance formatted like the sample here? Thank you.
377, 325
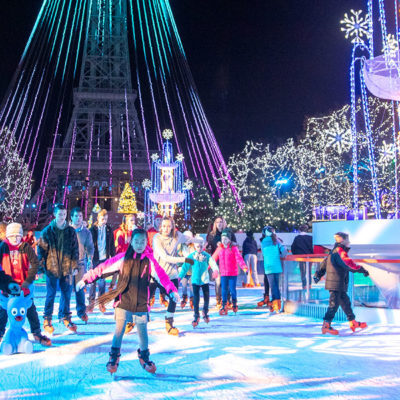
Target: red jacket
229, 258
20, 262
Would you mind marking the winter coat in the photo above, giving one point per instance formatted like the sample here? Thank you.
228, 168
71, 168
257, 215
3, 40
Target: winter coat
337, 267
199, 269
121, 240
148, 267
249, 246
59, 257
272, 254
86, 249
24, 271
213, 240
165, 252
302, 244
110, 246
5, 280
229, 257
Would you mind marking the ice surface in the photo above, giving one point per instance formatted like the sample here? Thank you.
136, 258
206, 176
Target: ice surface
248, 356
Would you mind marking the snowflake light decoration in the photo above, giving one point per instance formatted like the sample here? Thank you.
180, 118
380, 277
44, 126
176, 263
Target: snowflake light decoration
146, 184
338, 139
179, 157
167, 134
386, 153
355, 26
392, 45
188, 185
155, 157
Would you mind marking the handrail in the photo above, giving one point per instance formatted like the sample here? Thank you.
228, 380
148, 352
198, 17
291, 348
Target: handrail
321, 257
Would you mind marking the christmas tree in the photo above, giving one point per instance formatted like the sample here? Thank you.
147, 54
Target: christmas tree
127, 201
203, 209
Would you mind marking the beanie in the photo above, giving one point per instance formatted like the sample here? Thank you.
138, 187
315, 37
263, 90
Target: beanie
228, 233
14, 229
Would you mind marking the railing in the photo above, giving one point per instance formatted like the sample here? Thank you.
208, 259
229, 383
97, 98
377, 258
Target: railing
300, 290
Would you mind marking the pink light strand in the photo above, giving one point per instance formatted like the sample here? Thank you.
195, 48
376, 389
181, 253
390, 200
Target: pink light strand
111, 138
89, 167
129, 136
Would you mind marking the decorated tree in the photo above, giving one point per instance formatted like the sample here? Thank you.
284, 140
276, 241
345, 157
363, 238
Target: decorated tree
202, 209
15, 178
127, 201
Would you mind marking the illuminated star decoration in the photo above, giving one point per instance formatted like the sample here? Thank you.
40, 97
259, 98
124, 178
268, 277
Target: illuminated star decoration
167, 134
355, 26
179, 157
155, 157
146, 184
188, 185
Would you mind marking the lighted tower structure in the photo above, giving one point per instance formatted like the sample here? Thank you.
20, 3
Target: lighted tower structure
104, 145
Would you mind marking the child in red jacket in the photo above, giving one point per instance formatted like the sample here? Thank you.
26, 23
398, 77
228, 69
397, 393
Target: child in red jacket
19, 261
229, 257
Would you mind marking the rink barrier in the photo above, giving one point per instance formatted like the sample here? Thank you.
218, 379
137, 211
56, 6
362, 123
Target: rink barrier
321, 257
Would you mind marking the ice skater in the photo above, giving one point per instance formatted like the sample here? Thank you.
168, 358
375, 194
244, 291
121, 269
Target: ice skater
184, 249
200, 277
337, 267
229, 257
131, 296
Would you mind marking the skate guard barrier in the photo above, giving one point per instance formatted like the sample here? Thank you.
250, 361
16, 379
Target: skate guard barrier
376, 297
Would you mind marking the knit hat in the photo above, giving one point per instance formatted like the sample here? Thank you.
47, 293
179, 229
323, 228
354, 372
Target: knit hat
343, 235
188, 236
14, 229
249, 234
268, 231
228, 233
198, 239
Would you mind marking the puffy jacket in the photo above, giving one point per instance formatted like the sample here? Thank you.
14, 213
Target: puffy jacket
26, 268
337, 267
272, 254
58, 260
199, 269
116, 264
229, 258
302, 244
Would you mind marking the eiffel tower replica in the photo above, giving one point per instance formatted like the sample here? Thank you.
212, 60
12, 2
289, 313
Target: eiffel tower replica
104, 131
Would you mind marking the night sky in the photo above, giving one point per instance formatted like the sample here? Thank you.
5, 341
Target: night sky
261, 66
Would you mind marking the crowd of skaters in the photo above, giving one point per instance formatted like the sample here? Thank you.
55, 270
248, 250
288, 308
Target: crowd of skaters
140, 261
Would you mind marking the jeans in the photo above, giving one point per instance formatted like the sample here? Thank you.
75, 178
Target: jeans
80, 300
100, 282
51, 286
228, 283
303, 273
121, 317
266, 285
196, 299
273, 280
153, 287
172, 305
186, 283
251, 262
31, 314
337, 299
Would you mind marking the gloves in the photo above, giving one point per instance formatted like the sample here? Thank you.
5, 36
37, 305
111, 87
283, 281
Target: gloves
316, 278
174, 296
189, 261
215, 274
363, 271
80, 285
14, 289
26, 291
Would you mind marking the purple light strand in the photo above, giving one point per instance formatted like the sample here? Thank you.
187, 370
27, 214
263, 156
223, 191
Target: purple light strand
110, 141
129, 136
89, 168
71, 152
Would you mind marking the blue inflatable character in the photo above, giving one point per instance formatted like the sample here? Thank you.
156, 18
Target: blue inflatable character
16, 339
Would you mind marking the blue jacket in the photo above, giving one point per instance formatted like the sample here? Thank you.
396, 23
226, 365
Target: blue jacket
199, 268
272, 254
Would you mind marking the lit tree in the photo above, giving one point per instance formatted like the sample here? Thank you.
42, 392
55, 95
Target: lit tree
127, 201
202, 209
15, 178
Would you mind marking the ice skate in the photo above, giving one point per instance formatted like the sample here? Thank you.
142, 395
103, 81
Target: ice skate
163, 301
113, 362
129, 327
102, 308
69, 324
148, 365
84, 318
235, 308
191, 302
326, 328
206, 318
223, 310
195, 322
218, 305
152, 301
42, 339
357, 325
184, 301
48, 326
170, 328
264, 302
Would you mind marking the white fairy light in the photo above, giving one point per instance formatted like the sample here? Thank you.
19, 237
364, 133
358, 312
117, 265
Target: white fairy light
355, 26
167, 134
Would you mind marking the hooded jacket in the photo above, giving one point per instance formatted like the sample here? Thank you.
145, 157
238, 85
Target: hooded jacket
199, 270
272, 254
58, 250
229, 258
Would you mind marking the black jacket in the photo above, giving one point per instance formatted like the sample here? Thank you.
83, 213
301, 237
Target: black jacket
249, 246
302, 244
5, 280
58, 250
110, 245
212, 241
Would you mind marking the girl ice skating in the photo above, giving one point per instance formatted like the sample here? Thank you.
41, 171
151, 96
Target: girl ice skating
131, 296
